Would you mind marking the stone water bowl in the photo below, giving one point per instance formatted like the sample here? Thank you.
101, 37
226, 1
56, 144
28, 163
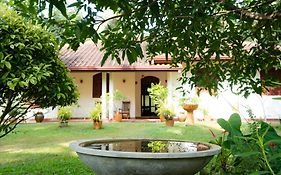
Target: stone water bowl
135, 157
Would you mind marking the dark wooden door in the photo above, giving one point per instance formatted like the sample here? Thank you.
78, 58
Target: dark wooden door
148, 107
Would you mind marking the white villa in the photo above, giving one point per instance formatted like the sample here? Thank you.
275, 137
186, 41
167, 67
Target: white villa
95, 81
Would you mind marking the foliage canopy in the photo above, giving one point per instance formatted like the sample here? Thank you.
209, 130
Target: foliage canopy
197, 33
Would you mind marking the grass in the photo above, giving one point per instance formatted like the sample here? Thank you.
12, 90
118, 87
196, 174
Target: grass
42, 148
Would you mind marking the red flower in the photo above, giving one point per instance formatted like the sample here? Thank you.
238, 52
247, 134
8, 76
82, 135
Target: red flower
272, 145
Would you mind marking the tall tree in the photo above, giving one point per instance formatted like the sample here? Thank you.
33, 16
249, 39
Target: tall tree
198, 33
30, 70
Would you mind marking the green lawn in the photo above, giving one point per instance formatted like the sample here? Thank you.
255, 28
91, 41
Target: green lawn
43, 148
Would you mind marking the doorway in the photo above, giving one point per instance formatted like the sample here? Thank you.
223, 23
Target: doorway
148, 108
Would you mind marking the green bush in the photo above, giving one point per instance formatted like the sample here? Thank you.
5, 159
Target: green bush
96, 112
30, 70
245, 153
64, 113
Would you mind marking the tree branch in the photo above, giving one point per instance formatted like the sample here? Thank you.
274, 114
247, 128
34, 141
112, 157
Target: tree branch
255, 15
9, 122
113, 17
125, 14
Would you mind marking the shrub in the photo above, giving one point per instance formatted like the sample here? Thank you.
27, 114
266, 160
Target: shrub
64, 113
96, 112
244, 153
30, 70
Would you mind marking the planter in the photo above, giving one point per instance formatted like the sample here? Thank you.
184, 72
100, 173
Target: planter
162, 118
63, 123
190, 107
169, 122
118, 117
39, 117
182, 117
97, 125
129, 156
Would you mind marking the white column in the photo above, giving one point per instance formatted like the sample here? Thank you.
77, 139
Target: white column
111, 91
170, 89
103, 96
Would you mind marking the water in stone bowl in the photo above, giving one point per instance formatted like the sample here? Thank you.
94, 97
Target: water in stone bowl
144, 156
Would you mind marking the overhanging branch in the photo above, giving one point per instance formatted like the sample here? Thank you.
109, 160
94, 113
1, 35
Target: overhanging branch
254, 15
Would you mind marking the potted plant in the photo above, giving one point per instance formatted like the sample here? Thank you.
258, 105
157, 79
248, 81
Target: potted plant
161, 107
169, 117
159, 94
96, 116
64, 115
118, 97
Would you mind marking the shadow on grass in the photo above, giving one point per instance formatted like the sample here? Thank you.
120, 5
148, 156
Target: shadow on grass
44, 164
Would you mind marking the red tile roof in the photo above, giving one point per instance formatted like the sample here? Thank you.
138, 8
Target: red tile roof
88, 58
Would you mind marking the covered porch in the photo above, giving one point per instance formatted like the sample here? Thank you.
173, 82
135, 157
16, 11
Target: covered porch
96, 86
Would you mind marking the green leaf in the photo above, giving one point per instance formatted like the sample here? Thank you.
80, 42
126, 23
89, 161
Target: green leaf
33, 81
248, 154
260, 172
269, 131
275, 156
235, 121
224, 124
105, 56
75, 4
8, 65
59, 4
11, 85
130, 56
1, 55
51, 10
23, 84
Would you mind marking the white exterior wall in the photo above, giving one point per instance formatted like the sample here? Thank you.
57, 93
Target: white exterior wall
227, 103
84, 81
221, 106
125, 83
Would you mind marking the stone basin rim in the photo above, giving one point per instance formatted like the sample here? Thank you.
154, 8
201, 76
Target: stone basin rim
76, 146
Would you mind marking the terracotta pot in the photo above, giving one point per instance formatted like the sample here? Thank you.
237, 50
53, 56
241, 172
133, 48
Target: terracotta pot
63, 123
39, 117
169, 122
118, 117
162, 118
190, 107
182, 117
97, 125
